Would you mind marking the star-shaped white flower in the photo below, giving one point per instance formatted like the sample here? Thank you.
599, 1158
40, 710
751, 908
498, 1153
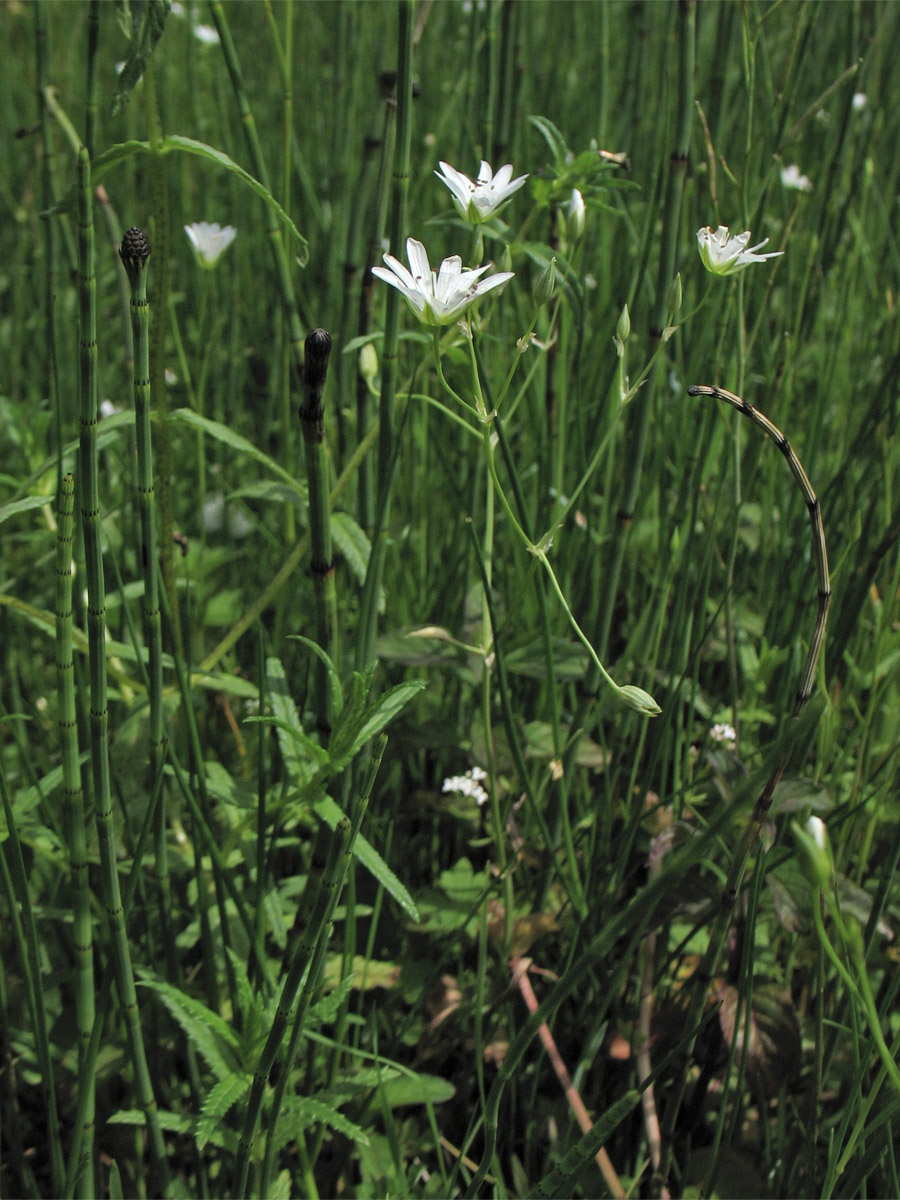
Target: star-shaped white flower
724, 255
479, 201
210, 241
437, 297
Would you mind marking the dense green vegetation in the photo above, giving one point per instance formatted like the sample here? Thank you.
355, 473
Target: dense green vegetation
370, 683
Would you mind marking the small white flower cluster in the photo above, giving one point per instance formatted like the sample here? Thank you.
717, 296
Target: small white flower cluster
723, 733
468, 785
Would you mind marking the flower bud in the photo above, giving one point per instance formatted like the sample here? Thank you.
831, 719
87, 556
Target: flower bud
545, 287
813, 852
623, 328
639, 700
368, 362
575, 214
674, 296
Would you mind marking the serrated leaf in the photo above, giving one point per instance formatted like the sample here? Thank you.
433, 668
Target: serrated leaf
308, 1111
299, 768
376, 717
227, 436
221, 1099
213, 1038
221, 1136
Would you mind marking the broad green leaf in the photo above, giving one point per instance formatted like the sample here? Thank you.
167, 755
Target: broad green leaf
355, 546
222, 433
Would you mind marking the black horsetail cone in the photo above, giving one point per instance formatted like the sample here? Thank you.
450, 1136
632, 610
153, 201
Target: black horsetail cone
134, 252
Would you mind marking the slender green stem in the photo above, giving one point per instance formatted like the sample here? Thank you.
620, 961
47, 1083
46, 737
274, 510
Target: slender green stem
15, 881
73, 797
331, 891
254, 149
300, 970
135, 252
90, 516
312, 423
389, 363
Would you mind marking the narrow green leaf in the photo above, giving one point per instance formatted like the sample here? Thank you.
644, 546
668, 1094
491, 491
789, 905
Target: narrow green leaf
20, 506
330, 813
222, 433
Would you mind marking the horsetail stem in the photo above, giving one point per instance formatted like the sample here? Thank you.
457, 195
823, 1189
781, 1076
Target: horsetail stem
73, 798
135, 252
96, 613
25, 939
389, 362
313, 948
325, 890
276, 242
312, 423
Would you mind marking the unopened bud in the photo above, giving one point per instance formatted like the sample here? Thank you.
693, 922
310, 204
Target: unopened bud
674, 296
575, 214
623, 328
639, 700
368, 362
813, 852
545, 287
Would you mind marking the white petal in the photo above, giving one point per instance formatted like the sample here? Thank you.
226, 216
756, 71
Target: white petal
418, 260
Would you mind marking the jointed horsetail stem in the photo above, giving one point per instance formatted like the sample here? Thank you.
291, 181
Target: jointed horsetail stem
73, 797
90, 515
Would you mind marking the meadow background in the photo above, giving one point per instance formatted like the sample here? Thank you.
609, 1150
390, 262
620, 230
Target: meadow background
210, 985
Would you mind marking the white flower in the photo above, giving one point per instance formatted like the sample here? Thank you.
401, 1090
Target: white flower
468, 785
437, 297
724, 255
860, 100
791, 178
210, 241
478, 201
